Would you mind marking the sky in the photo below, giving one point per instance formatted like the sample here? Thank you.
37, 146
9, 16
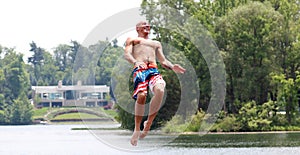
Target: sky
52, 22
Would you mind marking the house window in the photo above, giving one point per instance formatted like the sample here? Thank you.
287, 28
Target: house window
70, 94
54, 96
104, 95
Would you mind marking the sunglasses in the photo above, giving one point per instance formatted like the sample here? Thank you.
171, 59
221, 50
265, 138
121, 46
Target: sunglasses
146, 27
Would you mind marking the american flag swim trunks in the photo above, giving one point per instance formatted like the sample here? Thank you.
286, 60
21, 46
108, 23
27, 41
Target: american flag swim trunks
144, 78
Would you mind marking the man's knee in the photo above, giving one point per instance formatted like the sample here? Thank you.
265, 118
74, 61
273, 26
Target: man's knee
159, 89
141, 98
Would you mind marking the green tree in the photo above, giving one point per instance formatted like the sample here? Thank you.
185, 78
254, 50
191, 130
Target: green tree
63, 60
21, 111
108, 58
288, 56
246, 36
287, 90
83, 62
255, 117
61, 56
185, 25
2, 81
36, 60
16, 77
74, 48
14, 88
49, 70
122, 89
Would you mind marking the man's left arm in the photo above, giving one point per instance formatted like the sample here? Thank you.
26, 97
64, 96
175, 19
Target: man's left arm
166, 63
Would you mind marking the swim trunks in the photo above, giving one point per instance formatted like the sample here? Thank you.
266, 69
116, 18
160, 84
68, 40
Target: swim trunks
144, 78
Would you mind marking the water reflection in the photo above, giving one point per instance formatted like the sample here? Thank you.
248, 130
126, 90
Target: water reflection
120, 140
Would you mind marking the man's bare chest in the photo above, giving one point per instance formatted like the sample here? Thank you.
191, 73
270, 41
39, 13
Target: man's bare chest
144, 50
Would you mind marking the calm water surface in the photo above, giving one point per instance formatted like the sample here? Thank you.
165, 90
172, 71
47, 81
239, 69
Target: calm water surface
62, 140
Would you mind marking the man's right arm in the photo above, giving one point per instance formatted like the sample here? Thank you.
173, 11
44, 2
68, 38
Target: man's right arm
128, 52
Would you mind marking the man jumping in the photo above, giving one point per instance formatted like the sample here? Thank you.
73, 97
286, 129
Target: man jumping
142, 53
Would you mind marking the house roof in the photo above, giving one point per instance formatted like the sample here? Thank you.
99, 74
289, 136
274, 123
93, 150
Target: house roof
82, 88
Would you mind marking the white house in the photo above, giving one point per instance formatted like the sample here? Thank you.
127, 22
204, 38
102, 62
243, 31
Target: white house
73, 95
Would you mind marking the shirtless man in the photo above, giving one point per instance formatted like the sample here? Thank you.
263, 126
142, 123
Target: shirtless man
142, 53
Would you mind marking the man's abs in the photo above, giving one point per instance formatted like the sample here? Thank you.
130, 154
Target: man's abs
144, 53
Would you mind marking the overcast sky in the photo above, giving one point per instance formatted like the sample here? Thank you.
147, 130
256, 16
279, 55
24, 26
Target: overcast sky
52, 22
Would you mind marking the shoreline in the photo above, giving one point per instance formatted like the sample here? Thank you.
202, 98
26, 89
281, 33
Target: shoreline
182, 133
238, 132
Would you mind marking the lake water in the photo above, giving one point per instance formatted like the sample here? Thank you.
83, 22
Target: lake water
62, 140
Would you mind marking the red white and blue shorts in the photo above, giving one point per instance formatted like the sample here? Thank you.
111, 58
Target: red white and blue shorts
145, 78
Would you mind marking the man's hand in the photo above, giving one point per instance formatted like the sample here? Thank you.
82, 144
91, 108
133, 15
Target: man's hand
140, 64
178, 69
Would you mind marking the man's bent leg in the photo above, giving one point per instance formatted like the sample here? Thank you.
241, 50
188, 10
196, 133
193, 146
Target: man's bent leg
154, 107
139, 113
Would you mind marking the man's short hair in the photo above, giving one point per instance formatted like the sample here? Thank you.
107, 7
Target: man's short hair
141, 23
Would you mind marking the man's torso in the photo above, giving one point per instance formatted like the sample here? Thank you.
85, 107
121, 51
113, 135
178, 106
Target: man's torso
145, 51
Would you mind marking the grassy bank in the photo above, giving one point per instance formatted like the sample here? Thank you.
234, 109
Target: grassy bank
73, 114
257, 139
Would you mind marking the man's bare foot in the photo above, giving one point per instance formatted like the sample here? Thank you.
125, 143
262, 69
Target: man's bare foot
147, 127
134, 138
